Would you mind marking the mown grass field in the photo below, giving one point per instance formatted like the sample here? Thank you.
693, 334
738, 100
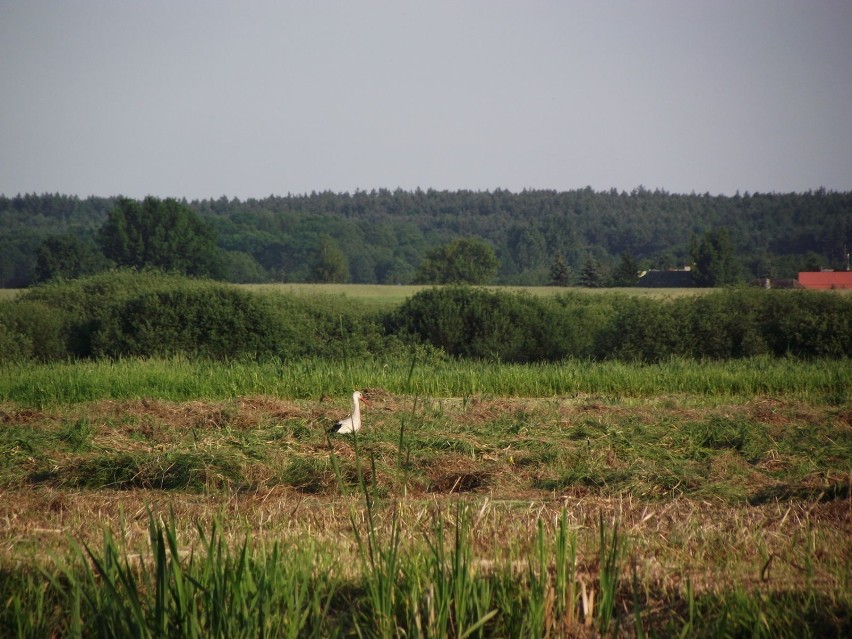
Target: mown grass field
575, 499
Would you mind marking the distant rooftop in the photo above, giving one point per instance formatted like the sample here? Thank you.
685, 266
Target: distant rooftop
826, 279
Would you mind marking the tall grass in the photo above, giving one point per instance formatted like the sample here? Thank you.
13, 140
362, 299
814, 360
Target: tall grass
170, 591
440, 588
181, 379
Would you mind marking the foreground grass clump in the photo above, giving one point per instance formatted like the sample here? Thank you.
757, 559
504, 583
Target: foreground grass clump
215, 591
436, 585
165, 471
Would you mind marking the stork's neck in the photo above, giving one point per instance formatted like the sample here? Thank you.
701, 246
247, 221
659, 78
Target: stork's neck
356, 407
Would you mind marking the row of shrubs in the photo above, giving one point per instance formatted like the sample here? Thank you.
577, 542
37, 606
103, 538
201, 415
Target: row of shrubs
729, 323
126, 314
150, 314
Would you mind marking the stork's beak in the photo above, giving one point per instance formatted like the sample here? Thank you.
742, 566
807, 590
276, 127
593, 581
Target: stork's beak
365, 400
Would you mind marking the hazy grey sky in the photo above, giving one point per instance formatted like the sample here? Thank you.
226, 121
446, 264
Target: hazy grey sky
208, 98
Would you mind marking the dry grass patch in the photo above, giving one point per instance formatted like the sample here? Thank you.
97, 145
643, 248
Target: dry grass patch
711, 543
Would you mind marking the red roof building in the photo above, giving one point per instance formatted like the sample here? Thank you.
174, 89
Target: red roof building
826, 279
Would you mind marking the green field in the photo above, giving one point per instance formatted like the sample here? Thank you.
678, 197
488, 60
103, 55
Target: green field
8, 293
575, 499
384, 297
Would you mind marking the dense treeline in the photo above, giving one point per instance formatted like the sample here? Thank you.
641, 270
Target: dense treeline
28, 221
383, 236
122, 314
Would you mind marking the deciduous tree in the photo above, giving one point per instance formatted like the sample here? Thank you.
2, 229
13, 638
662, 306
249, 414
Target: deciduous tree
330, 264
466, 261
164, 234
67, 256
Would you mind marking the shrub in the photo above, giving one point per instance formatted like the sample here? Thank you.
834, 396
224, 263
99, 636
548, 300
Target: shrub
808, 324
83, 302
725, 324
745, 322
31, 329
642, 330
124, 313
576, 321
468, 322
14, 345
323, 326
149, 313
203, 320
478, 323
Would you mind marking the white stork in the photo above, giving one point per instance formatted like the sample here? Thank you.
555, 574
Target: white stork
352, 423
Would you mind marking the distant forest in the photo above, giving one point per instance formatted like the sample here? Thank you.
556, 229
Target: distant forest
384, 236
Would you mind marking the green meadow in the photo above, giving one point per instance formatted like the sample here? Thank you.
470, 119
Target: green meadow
386, 297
